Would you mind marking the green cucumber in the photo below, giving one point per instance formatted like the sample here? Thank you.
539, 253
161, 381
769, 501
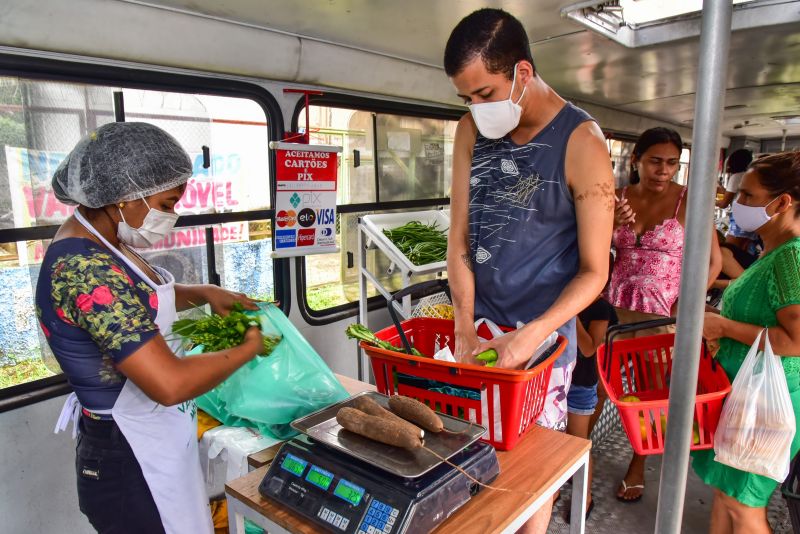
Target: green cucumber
489, 355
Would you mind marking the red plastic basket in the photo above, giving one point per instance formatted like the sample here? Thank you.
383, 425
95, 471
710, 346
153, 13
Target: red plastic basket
642, 367
510, 400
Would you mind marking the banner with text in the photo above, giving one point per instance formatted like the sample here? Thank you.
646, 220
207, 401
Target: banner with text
305, 203
217, 189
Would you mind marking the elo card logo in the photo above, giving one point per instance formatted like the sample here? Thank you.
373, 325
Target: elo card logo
306, 237
306, 217
286, 218
326, 216
285, 238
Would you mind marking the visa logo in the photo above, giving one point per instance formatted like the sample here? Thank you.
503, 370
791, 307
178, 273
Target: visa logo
326, 216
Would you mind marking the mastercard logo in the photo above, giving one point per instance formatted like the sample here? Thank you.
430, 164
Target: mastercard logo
286, 218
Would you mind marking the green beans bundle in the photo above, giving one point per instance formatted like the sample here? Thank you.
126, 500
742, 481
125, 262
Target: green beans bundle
420, 243
220, 332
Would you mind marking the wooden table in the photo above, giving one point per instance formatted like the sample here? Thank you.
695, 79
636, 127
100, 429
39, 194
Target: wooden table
536, 468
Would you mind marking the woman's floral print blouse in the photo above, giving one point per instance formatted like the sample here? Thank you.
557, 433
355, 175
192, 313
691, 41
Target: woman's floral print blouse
94, 312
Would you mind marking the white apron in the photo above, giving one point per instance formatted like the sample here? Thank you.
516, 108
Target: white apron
163, 438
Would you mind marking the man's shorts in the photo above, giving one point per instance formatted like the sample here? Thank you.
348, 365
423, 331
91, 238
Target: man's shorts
582, 400
554, 415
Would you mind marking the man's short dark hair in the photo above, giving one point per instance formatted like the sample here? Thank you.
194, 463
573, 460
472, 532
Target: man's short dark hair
739, 160
494, 35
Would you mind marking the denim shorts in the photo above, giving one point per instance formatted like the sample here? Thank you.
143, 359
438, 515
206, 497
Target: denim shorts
582, 400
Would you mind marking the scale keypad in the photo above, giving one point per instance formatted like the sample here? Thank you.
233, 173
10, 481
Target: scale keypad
380, 518
333, 518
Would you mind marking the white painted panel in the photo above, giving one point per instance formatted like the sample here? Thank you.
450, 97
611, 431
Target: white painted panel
118, 30
37, 469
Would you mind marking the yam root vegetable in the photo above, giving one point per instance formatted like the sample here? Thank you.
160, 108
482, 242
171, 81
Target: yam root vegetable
370, 407
378, 428
416, 412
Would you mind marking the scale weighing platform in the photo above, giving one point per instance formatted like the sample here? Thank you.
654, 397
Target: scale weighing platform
349, 484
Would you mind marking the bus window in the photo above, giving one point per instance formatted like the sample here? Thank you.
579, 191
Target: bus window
414, 159
40, 122
620, 151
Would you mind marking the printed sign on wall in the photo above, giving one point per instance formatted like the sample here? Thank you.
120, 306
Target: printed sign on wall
305, 203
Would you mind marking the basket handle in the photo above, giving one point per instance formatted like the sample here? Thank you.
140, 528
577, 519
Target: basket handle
618, 329
426, 286
707, 354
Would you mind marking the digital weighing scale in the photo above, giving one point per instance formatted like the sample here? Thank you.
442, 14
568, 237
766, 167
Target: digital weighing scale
346, 483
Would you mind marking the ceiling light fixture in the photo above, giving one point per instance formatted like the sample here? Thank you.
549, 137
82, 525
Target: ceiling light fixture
636, 23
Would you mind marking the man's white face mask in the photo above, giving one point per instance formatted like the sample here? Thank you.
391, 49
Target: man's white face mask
155, 227
495, 119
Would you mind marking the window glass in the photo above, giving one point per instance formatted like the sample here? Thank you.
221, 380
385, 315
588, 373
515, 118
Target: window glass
40, 121
414, 161
682, 177
234, 129
415, 157
351, 130
621, 152
24, 354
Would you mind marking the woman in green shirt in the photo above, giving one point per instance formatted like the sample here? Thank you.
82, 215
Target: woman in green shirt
767, 294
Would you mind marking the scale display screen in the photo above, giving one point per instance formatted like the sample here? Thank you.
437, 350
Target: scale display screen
294, 465
349, 492
319, 477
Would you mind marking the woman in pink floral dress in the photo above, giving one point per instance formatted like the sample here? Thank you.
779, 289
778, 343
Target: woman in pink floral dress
648, 238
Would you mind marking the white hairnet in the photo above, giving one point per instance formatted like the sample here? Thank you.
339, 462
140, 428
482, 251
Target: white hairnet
121, 161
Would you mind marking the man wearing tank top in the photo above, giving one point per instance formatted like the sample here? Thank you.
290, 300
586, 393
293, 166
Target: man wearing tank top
532, 206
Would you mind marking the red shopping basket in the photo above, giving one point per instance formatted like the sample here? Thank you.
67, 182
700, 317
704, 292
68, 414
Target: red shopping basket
507, 402
642, 367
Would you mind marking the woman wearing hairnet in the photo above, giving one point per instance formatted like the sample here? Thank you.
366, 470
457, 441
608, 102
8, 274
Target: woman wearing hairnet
107, 315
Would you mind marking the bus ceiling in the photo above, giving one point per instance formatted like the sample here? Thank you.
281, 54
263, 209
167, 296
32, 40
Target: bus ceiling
398, 48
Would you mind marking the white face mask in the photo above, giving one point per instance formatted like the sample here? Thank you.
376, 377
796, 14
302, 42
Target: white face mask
751, 218
495, 119
155, 227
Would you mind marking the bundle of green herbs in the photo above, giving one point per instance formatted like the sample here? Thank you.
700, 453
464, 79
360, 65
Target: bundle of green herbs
220, 332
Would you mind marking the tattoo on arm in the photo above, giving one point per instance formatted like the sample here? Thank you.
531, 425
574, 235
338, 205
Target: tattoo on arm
467, 261
603, 192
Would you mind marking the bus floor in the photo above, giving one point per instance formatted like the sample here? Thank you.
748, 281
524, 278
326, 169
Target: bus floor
611, 456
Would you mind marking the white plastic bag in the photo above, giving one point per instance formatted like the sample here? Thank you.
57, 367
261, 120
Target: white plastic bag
757, 425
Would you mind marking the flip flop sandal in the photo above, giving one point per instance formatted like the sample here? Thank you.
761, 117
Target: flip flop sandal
625, 488
586, 516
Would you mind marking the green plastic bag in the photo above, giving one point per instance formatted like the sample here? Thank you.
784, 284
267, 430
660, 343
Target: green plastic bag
270, 392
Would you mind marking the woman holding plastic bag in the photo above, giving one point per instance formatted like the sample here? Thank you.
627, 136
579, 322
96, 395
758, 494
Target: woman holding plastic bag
766, 295
107, 314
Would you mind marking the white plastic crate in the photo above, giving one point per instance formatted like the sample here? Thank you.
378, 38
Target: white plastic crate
375, 224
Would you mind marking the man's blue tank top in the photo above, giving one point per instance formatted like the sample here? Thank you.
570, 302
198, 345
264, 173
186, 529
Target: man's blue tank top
522, 230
